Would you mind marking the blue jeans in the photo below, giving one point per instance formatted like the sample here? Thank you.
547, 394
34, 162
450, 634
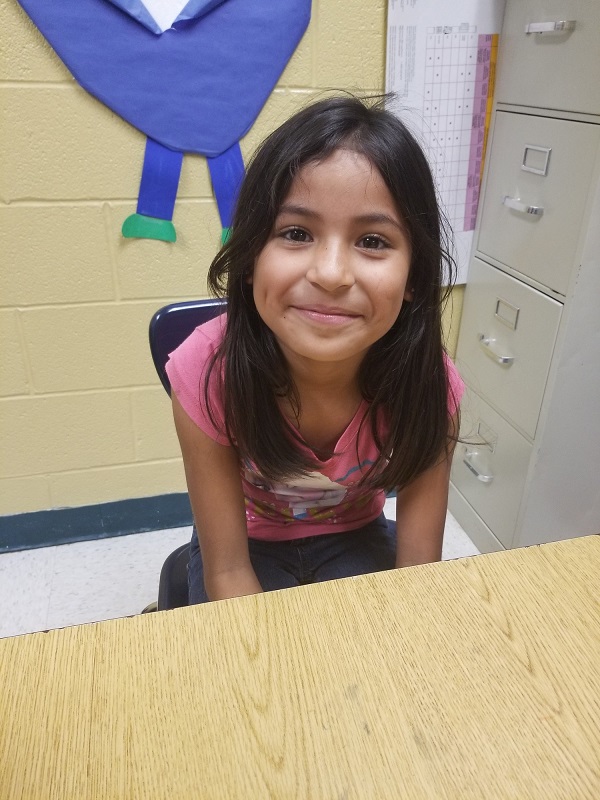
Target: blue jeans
282, 565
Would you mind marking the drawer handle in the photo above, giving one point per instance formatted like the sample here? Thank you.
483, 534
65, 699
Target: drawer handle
489, 347
470, 461
517, 205
551, 27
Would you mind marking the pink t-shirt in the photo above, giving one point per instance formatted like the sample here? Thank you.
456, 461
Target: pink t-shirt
327, 500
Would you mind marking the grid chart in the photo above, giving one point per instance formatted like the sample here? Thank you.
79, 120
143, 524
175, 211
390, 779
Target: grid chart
459, 77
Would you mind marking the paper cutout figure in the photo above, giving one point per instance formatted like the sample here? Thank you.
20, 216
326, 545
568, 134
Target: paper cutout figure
192, 76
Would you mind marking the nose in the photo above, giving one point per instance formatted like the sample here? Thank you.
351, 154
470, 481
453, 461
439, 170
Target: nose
330, 267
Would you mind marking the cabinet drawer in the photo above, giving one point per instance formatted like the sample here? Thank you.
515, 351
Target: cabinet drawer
544, 165
490, 470
506, 341
554, 69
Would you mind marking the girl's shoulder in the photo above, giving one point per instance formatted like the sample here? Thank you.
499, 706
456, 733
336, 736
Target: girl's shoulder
199, 345
187, 369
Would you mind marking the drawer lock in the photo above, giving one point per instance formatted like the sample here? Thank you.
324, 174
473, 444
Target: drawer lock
491, 349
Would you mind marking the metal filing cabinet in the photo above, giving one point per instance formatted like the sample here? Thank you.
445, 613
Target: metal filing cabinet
528, 470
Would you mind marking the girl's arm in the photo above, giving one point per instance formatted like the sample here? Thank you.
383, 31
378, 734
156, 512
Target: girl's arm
421, 512
215, 490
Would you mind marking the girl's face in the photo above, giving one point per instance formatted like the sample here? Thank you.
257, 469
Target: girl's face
332, 277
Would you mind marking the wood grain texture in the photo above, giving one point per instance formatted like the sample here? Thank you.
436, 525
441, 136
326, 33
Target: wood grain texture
477, 678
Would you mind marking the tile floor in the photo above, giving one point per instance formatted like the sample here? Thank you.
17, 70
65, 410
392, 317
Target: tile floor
53, 587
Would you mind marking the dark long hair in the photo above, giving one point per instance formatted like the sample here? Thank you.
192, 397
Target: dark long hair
403, 375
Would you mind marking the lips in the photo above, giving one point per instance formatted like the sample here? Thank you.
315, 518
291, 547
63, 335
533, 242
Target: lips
332, 315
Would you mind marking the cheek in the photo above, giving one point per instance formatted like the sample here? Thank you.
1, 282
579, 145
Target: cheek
393, 289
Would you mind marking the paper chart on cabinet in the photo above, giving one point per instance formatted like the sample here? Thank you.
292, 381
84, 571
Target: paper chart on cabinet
440, 64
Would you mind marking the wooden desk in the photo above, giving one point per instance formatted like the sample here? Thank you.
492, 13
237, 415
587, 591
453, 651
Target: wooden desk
477, 678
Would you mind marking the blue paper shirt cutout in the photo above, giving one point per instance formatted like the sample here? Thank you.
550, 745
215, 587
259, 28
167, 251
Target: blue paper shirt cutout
195, 88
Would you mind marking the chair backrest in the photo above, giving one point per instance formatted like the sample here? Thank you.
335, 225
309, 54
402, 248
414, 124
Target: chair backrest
174, 323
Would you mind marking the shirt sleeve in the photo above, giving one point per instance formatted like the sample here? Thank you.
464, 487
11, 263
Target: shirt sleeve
456, 386
187, 368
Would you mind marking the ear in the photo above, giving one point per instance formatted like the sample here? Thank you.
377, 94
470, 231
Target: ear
409, 295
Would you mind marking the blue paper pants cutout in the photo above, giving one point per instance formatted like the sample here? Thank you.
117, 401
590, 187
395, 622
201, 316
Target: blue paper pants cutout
160, 179
158, 190
226, 174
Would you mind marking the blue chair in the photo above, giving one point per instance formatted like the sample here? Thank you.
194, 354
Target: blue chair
169, 327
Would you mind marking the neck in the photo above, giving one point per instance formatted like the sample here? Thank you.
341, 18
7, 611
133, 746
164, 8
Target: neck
329, 397
316, 376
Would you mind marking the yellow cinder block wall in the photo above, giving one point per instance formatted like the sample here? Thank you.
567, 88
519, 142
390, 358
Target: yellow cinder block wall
84, 418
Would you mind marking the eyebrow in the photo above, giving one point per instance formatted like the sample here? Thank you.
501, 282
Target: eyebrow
367, 219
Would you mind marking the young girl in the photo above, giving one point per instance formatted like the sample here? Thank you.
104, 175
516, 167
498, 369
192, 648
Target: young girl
326, 383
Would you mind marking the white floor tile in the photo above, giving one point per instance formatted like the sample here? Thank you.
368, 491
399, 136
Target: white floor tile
95, 581
456, 542
83, 582
25, 585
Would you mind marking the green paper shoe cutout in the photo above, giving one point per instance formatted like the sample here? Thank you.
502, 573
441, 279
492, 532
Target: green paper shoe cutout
138, 226
225, 234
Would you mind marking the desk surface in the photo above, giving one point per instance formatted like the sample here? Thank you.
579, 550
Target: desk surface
477, 678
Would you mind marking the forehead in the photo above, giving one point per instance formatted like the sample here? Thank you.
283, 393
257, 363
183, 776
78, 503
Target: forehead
345, 177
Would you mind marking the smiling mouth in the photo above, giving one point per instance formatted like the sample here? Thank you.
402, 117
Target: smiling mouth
326, 314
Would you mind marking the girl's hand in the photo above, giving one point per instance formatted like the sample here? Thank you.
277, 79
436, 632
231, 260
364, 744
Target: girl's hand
215, 490
233, 583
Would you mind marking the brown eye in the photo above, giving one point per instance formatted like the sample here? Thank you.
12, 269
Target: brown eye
372, 242
296, 235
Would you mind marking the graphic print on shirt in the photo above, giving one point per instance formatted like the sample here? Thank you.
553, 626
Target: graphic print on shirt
312, 496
